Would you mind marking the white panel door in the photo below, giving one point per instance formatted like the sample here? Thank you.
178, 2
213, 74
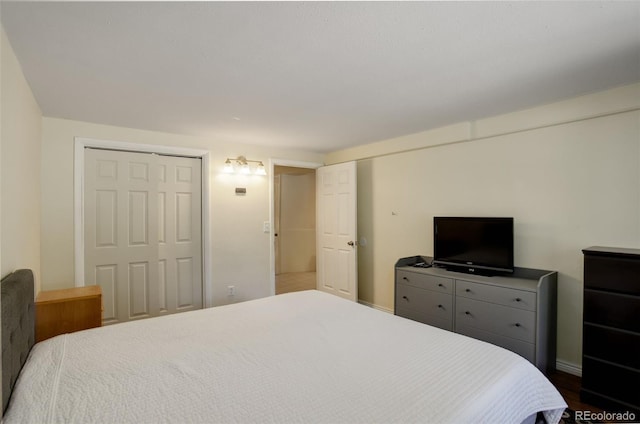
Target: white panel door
179, 234
336, 230
123, 229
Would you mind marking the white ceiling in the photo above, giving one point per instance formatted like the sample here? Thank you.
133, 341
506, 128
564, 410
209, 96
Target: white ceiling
318, 76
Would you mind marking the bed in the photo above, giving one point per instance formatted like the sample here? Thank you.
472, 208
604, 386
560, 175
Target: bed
305, 357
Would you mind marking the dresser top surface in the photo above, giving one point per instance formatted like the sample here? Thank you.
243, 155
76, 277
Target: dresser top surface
53, 296
611, 251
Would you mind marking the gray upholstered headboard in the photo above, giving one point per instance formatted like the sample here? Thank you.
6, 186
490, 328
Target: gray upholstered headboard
18, 327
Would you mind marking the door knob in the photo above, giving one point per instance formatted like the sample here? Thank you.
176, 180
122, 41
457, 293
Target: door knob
351, 243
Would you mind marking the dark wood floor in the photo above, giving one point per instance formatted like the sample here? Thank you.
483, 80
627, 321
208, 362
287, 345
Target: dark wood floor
569, 387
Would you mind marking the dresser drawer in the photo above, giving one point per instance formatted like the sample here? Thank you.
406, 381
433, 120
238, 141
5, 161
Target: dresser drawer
616, 382
612, 345
524, 349
435, 321
425, 281
515, 323
424, 301
617, 274
611, 309
502, 296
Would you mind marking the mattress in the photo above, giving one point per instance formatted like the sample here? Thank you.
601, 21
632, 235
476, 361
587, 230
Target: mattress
305, 357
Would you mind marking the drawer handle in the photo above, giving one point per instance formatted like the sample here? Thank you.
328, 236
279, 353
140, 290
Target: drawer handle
405, 278
405, 298
440, 285
517, 324
467, 313
467, 290
440, 306
518, 299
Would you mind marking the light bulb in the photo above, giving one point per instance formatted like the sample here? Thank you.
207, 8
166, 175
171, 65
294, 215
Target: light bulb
260, 169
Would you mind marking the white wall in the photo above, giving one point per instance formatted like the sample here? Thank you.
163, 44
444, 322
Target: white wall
240, 249
569, 173
20, 134
20, 131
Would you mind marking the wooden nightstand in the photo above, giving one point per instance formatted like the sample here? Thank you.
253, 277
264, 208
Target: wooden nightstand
67, 310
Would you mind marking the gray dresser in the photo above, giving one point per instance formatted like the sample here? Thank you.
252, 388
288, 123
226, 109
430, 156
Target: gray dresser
517, 312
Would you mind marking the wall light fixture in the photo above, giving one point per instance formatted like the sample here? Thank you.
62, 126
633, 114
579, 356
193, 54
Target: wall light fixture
241, 166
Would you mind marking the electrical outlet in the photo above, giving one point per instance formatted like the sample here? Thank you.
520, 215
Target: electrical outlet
231, 290
266, 227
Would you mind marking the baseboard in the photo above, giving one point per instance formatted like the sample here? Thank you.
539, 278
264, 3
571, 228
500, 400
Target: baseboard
569, 368
371, 305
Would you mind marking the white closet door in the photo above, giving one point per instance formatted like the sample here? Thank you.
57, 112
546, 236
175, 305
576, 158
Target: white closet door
179, 234
123, 228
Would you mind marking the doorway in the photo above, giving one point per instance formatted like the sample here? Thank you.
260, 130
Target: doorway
294, 228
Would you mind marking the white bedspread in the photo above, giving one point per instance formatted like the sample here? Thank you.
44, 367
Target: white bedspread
304, 357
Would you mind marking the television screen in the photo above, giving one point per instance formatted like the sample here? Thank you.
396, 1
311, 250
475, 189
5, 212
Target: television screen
473, 244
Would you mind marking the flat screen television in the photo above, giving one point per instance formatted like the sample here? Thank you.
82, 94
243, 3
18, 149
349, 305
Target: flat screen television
473, 244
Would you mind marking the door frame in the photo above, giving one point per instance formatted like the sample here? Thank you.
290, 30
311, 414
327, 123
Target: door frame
273, 162
80, 143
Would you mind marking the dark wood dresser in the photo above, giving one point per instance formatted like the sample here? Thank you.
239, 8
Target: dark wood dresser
611, 329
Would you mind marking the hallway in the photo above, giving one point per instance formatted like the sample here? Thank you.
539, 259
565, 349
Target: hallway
295, 281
